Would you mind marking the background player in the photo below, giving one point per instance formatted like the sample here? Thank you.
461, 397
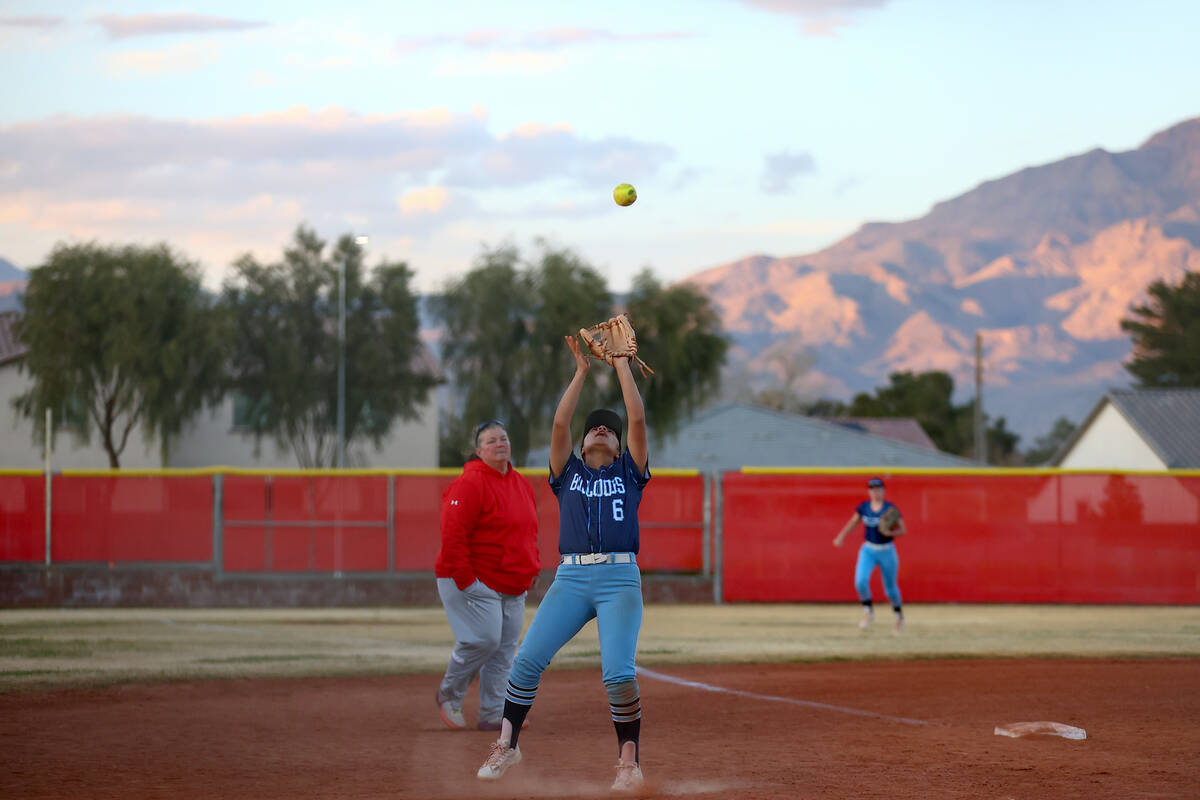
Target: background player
598, 498
877, 549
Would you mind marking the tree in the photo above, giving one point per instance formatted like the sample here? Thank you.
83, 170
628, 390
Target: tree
927, 398
503, 343
679, 334
504, 327
119, 336
1045, 447
827, 407
1166, 335
284, 361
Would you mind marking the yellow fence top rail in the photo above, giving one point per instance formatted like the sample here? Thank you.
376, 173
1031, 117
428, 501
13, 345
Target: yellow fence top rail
300, 473
964, 471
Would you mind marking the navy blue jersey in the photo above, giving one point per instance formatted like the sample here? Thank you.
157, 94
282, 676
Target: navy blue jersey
871, 520
598, 508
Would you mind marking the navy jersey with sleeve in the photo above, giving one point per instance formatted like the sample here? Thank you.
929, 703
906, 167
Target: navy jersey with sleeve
871, 521
598, 508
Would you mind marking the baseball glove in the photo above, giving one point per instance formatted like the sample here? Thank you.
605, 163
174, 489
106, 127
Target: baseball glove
888, 520
613, 339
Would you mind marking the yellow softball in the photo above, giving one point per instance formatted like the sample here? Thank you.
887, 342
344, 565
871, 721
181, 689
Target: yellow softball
624, 194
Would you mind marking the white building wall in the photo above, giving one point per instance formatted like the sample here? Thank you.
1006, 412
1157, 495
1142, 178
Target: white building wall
210, 440
1110, 442
18, 450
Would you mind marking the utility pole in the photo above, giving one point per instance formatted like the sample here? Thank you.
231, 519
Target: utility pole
980, 433
361, 241
341, 378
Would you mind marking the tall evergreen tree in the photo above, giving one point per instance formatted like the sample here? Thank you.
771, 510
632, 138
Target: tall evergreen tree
1166, 335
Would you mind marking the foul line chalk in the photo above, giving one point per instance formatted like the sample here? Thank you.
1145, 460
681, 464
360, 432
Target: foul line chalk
649, 673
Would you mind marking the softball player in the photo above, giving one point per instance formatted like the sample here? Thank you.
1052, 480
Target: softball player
878, 550
598, 497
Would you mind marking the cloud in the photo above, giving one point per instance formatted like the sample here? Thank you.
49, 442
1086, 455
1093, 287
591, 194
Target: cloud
813, 8
31, 21
252, 178
124, 27
549, 39
563, 37
782, 169
186, 57
845, 185
820, 17
535, 153
429, 200
529, 63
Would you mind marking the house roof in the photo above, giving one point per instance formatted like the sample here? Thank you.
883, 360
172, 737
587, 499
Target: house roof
902, 429
11, 347
739, 435
1168, 420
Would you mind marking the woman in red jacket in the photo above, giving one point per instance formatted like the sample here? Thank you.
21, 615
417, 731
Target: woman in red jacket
487, 562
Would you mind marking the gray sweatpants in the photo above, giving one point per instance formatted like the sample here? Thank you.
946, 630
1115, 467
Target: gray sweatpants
487, 626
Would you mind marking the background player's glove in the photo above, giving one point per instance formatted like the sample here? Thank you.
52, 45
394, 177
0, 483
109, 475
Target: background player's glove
888, 520
613, 339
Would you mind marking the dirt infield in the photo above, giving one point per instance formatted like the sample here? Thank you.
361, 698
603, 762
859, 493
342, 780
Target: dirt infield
795, 731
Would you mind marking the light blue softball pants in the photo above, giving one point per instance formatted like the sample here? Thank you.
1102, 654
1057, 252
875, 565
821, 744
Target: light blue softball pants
889, 566
612, 593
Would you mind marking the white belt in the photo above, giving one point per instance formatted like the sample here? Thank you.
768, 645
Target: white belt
878, 546
598, 558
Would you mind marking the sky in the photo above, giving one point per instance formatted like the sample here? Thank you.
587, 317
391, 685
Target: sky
439, 129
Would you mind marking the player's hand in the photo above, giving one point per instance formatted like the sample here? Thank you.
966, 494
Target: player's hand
837, 541
582, 364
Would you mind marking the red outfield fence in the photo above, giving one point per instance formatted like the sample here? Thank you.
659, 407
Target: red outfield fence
976, 535
317, 522
1035, 536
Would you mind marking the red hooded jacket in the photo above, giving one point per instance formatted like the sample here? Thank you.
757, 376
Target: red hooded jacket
489, 530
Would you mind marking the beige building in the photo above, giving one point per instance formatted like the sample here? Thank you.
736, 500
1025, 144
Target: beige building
212, 439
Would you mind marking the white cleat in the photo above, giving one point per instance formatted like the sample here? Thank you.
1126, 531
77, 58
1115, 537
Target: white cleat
867, 618
629, 777
498, 761
898, 628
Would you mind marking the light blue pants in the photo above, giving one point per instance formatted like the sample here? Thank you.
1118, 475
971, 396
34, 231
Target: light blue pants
889, 566
612, 593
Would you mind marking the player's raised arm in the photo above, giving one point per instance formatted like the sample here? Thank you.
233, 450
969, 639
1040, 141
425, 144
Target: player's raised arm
635, 414
560, 431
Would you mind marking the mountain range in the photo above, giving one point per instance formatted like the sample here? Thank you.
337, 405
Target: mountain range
1043, 263
12, 281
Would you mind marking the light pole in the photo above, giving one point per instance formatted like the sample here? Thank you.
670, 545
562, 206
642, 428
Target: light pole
341, 387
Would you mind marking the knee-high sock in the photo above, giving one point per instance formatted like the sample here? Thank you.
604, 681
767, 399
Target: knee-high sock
517, 702
625, 702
